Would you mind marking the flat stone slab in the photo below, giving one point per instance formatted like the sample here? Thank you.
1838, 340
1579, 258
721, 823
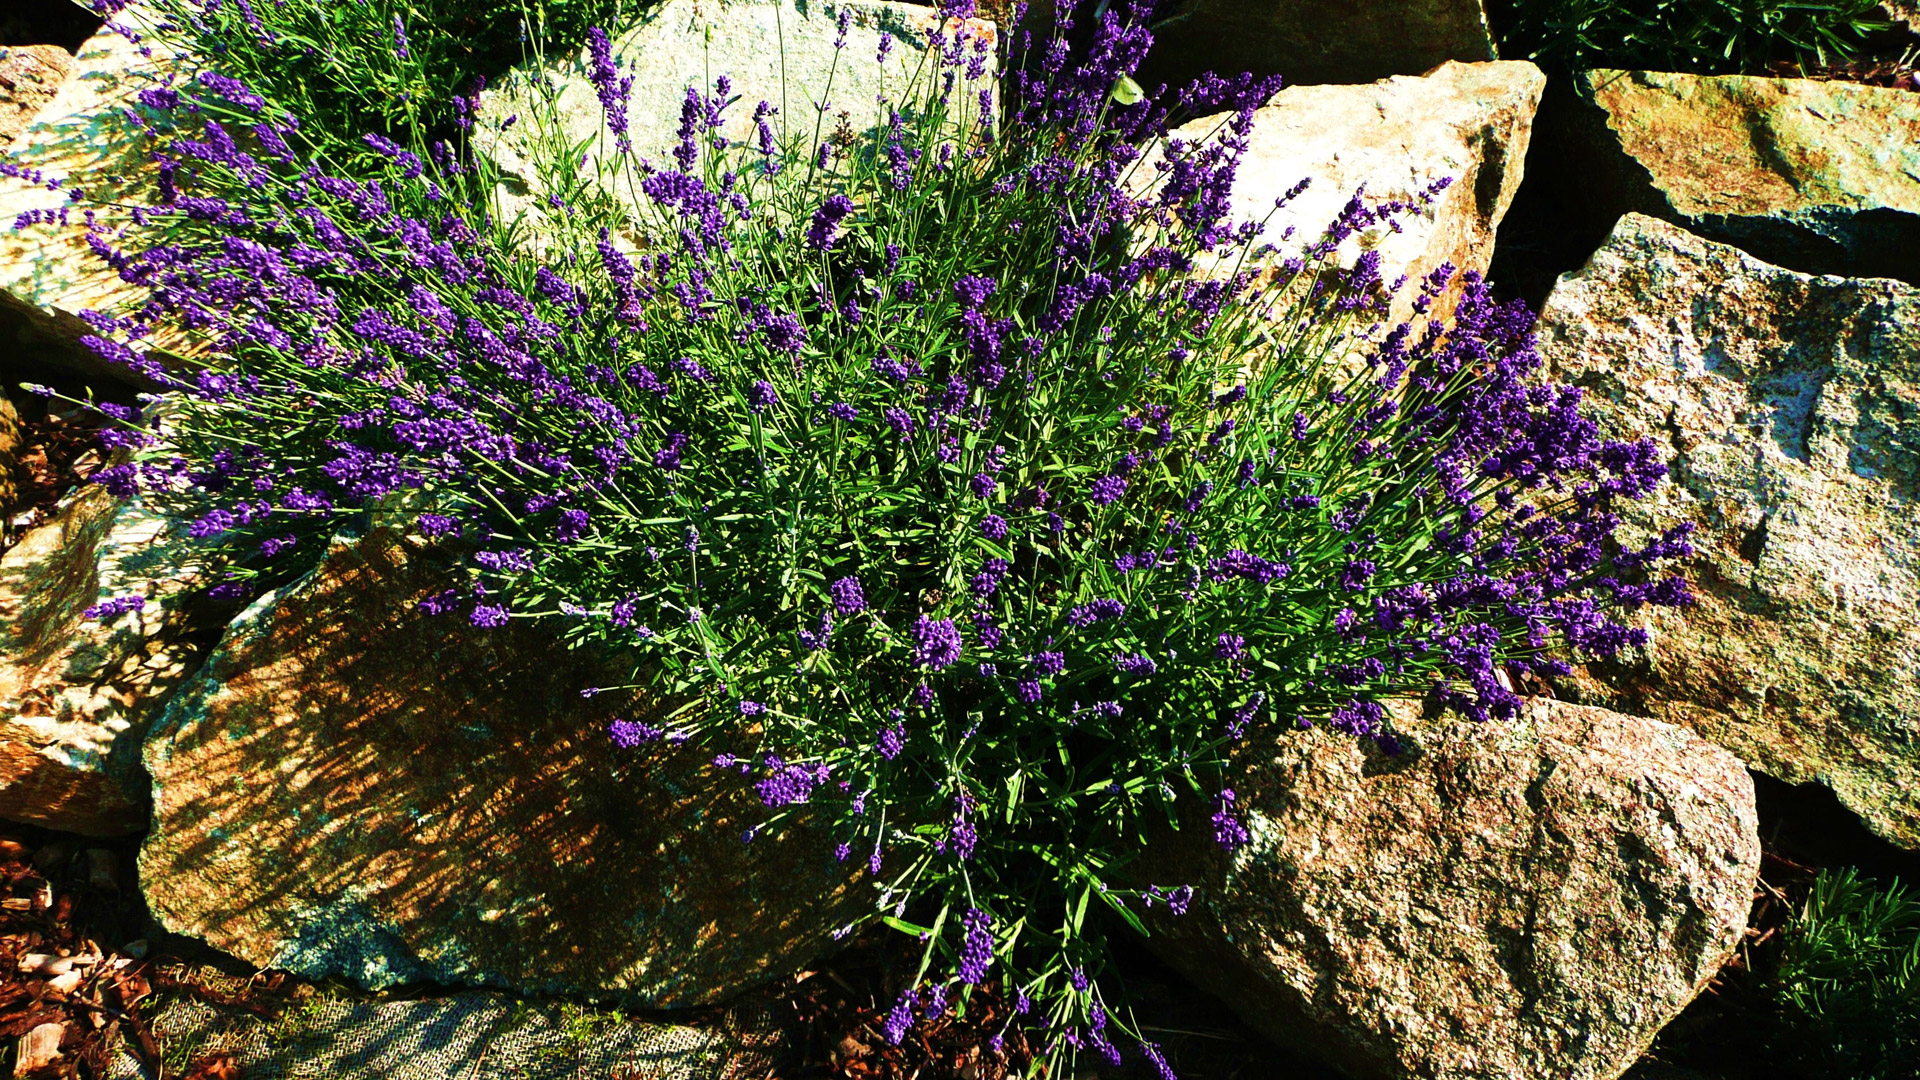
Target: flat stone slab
30, 76
470, 1036
1788, 407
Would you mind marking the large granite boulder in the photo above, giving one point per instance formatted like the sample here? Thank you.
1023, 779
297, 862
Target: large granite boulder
1315, 41
30, 75
1468, 123
1818, 176
778, 51
353, 788
79, 685
1789, 409
84, 139
12, 437
1510, 900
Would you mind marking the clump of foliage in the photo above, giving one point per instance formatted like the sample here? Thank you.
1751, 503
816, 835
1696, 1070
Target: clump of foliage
962, 476
1847, 986
390, 67
1750, 37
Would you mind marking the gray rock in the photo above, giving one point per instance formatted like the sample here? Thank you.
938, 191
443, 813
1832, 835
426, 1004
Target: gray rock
77, 694
778, 51
1818, 176
1513, 901
352, 788
1317, 41
1468, 123
1788, 407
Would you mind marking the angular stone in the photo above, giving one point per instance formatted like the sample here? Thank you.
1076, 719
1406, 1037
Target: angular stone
353, 788
12, 434
77, 694
1470, 123
1788, 407
1316, 41
30, 75
1510, 900
778, 51
83, 139
1818, 176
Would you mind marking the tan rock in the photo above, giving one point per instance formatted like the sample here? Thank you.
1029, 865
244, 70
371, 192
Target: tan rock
1818, 176
1788, 407
1510, 900
1316, 41
350, 787
777, 51
29, 77
1470, 123
83, 139
76, 694
12, 435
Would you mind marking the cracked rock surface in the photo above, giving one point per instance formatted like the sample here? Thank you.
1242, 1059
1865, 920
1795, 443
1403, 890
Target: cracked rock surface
1515, 900
1788, 407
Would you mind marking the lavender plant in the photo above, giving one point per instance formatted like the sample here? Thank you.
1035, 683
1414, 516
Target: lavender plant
971, 483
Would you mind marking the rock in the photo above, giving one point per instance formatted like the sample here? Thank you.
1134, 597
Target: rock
83, 139
1513, 900
1315, 41
1821, 177
465, 1036
778, 51
1470, 123
352, 788
1789, 409
12, 435
29, 77
76, 694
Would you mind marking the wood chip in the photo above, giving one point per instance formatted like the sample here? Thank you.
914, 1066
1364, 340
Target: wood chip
37, 1048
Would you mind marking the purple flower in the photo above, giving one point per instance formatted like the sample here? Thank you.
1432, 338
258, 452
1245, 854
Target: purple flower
825, 228
843, 412
1050, 663
113, 609
1108, 490
668, 456
993, 527
976, 947
761, 395
1230, 646
488, 616
848, 597
1097, 611
936, 643
899, 1018
984, 485
786, 785
1228, 831
627, 734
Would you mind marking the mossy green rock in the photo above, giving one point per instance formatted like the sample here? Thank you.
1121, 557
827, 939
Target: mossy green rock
1788, 409
352, 788
1820, 177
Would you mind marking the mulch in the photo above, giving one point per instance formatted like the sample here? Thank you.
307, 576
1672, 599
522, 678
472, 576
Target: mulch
76, 980
59, 449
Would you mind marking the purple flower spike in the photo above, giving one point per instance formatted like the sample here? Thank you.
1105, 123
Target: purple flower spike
936, 643
848, 597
